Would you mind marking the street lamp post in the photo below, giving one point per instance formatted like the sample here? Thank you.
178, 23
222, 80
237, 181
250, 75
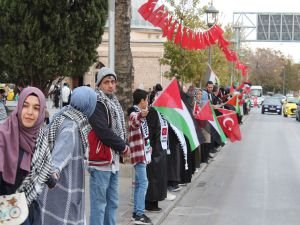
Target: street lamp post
211, 19
283, 82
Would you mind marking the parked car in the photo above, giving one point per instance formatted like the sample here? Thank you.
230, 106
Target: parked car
289, 106
271, 105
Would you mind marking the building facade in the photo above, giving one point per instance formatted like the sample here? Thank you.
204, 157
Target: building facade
147, 49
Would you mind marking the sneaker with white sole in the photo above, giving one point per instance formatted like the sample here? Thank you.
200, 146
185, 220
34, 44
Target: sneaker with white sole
174, 188
170, 196
133, 216
143, 219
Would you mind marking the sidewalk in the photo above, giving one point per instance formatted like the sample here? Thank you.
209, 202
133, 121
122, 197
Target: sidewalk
125, 205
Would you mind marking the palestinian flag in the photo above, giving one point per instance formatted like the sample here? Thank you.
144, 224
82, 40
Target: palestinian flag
214, 78
235, 102
170, 104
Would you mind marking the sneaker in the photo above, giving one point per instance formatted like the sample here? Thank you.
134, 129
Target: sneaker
154, 209
174, 188
170, 196
133, 216
143, 219
211, 155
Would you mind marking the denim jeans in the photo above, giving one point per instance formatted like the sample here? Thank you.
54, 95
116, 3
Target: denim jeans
103, 197
141, 185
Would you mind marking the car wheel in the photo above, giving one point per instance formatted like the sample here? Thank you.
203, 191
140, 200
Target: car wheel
279, 113
284, 115
262, 112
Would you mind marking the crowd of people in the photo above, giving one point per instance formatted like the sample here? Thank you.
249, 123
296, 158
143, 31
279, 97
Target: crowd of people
46, 162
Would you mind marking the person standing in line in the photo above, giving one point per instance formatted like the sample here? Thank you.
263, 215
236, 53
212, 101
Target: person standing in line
109, 125
140, 152
157, 169
19, 140
56, 94
64, 204
65, 95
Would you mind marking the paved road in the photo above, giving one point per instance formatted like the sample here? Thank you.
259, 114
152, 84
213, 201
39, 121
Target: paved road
253, 182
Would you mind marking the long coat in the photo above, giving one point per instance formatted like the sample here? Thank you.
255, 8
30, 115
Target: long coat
157, 169
64, 204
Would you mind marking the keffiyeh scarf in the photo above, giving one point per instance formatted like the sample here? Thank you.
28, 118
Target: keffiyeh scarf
41, 164
116, 114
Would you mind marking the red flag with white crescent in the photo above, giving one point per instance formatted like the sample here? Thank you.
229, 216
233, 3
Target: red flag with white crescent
230, 126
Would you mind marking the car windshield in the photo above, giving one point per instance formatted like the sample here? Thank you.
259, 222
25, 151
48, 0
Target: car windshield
256, 92
292, 100
278, 96
272, 101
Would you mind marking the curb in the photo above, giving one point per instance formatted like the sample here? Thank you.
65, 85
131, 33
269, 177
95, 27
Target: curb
170, 207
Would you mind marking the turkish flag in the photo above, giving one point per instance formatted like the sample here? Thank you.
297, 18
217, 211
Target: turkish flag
205, 113
230, 126
146, 9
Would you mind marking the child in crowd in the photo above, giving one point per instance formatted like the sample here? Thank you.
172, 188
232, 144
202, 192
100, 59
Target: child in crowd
140, 152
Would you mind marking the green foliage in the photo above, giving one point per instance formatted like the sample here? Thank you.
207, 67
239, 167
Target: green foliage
192, 65
43, 39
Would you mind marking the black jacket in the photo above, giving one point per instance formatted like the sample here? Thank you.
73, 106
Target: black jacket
99, 122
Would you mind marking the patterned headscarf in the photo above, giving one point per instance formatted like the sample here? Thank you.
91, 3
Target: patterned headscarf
13, 136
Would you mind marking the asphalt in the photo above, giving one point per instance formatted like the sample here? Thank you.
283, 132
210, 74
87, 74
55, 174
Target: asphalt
126, 189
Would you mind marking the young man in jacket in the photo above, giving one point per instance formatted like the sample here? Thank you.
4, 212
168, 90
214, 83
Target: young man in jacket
109, 125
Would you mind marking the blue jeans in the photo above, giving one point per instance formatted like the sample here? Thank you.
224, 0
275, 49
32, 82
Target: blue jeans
141, 185
103, 197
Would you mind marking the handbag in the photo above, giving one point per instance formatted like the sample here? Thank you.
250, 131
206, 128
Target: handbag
13, 209
99, 153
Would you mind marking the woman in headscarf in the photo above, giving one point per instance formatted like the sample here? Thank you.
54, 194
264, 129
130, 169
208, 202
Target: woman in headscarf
67, 137
18, 138
200, 99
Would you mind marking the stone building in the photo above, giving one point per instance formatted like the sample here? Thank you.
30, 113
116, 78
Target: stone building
147, 48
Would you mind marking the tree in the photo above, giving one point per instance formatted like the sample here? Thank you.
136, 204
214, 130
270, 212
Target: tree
191, 65
124, 61
43, 39
266, 66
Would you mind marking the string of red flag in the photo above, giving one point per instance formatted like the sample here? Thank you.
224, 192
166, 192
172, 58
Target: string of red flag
187, 38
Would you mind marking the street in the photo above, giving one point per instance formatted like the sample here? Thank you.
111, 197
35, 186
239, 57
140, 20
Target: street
252, 182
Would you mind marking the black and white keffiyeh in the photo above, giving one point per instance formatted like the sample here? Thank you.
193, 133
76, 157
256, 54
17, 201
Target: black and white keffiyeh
41, 164
75, 115
116, 114
41, 168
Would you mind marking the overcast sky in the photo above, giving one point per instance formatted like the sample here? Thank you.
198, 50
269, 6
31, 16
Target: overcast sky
227, 7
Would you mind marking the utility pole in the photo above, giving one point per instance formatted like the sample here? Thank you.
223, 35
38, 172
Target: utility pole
111, 33
283, 82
